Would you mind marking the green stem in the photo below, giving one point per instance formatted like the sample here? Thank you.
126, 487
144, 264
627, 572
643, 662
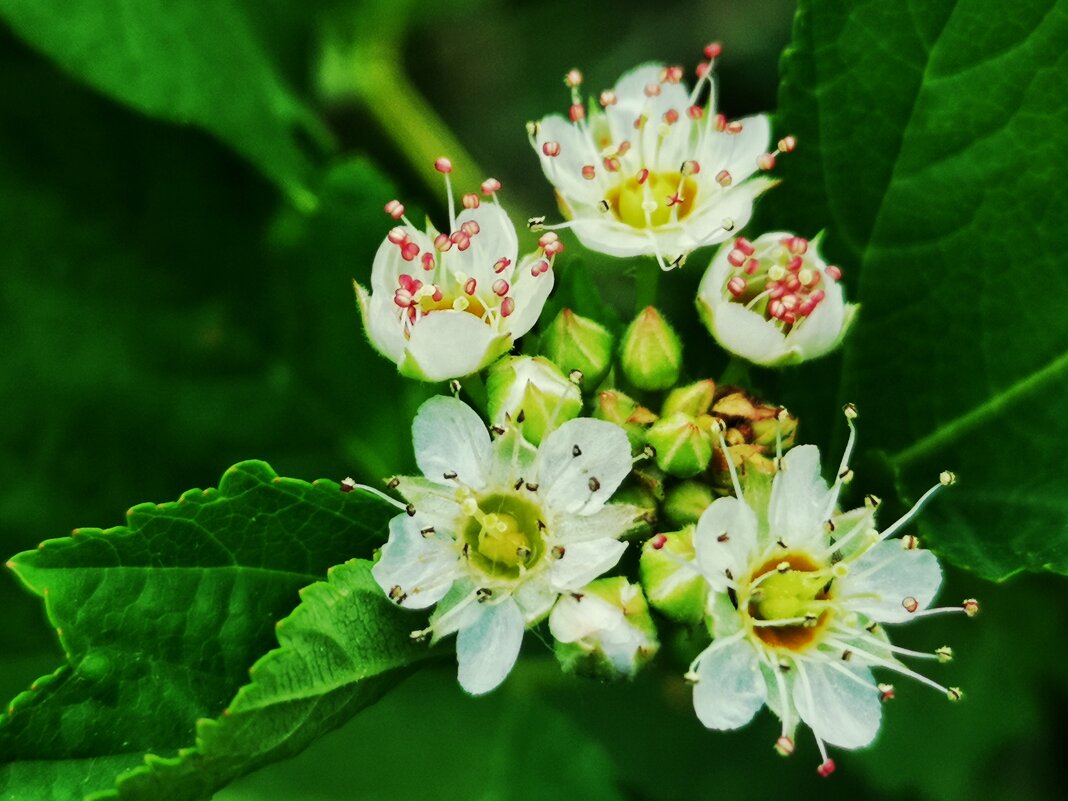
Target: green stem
646, 285
736, 373
475, 389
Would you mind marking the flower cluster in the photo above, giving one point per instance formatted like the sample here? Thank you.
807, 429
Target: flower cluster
596, 438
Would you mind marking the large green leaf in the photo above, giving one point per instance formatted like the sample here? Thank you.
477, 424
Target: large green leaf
187, 62
161, 618
340, 650
931, 134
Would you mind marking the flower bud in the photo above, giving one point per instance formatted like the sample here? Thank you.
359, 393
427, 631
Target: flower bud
644, 497
533, 393
686, 501
651, 352
604, 630
615, 407
683, 447
694, 400
578, 343
670, 577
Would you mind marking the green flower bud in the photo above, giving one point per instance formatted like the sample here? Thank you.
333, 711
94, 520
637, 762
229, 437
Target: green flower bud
686, 501
604, 630
637, 494
694, 400
670, 577
577, 343
651, 352
683, 447
533, 393
615, 407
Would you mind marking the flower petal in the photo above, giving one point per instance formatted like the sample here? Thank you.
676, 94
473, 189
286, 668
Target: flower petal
382, 324
820, 332
535, 598
746, 333
451, 344
579, 615
564, 171
422, 567
887, 574
582, 562
613, 520
799, 496
434, 501
388, 264
487, 649
529, 293
581, 464
450, 437
496, 239
725, 540
841, 709
730, 689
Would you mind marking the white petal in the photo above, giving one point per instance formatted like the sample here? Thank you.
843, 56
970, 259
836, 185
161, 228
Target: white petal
450, 437
389, 264
574, 618
529, 293
434, 501
382, 324
423, 567
736, 153
581, 464
565, 170
730, 689
704, 226
840, 709
603, 233
799, 497
582, 562
819, 332
725, 540
451, 344
535, 598
513, 459
746, 333
613, 520
487, 649
456, 610
887, 574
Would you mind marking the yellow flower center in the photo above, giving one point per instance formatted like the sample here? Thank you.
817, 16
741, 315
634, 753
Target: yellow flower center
632, 200
795, 590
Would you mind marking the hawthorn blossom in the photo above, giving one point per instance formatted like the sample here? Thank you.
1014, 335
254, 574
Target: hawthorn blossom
774, 301
653, 171
798, 598
496, 530
445, 305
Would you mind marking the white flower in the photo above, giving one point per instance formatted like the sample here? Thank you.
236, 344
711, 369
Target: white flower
796, 605
774, 301
444, 305
498, 529
653, 172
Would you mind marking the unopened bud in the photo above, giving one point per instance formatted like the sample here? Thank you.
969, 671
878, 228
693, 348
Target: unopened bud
670, 577
686, 501
694, 399
651, 352
578, 343
624, 411
683, 448
533, 393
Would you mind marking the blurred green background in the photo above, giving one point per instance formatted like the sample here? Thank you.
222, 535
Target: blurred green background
166, 310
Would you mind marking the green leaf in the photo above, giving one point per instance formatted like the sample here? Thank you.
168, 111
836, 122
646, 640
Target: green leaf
340, 651
161, 618
186, 62
930, 134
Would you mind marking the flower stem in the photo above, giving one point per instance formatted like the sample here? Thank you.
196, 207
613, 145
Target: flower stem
646, 284
475, 389
736, 373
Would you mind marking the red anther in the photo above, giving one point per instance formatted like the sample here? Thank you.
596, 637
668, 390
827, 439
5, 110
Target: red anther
490, 186
470, 286
790, 302
776, 309
412, 313
403, 298
395, 209
734, 127
796, 245
690, 167
409, 250
642, 176
795, 264
623, 149
789, 317
826, 768
470, 227
507, 306
886, 692
766, 161
428, 261
713, 50
736, 257
702, 70
971, 607
671, 74
547, 237
554, 249
723, 178
639, 121
406, 282
910, 604
576, 112
442, 242
502, 265
721, 122
737, 286
752, 266
540, 266
443, 165
398, 236
652, 89
833, 272
793, 283
471, 201
437, 296
784, 745
675, 199
589, 172
744, 245
658, 542
817, 296
671, 116
787, 144
611, 164
806, 308
551, 149
500, 287
695, 112
608, 99
776, 291
573, 78
461, 239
